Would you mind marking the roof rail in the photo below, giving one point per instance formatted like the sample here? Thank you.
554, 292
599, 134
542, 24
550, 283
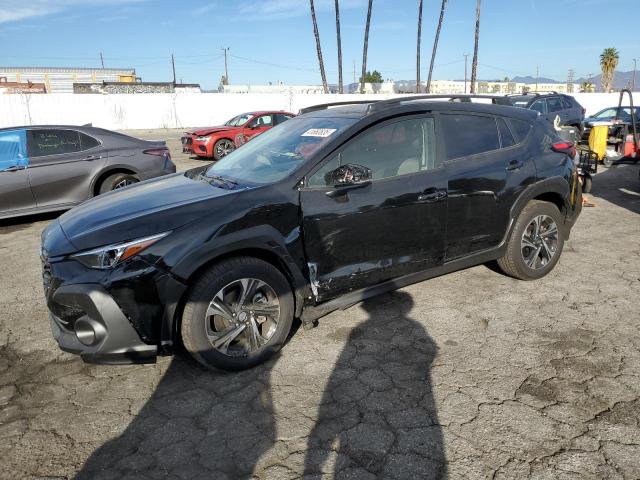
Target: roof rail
495, 99
325, 106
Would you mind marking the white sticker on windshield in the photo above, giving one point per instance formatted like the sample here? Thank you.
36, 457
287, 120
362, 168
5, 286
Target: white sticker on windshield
318, 132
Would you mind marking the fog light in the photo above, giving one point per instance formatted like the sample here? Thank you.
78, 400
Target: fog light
89, 332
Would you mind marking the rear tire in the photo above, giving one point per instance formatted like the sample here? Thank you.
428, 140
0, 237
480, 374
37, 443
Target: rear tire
238, 314
536, 242
117, 181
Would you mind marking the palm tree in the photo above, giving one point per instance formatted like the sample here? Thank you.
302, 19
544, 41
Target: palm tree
418, 48
366, 46
608, 61
586, 87
435, 44
340, 84
318, 48
474, 63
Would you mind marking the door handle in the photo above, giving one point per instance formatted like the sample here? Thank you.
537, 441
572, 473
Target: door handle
515, 165
432, 195
15, 168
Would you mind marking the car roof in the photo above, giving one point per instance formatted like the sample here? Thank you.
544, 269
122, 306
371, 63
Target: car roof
358, 111
62, 127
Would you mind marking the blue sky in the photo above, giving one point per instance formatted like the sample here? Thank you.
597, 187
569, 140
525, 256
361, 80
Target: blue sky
272, 40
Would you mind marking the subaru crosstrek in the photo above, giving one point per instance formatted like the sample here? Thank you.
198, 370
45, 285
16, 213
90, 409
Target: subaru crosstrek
319, 213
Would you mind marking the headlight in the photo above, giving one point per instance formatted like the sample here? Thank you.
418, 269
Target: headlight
203, 139
108, 257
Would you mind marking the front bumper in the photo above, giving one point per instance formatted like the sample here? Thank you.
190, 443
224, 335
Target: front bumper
123, 315
103, 333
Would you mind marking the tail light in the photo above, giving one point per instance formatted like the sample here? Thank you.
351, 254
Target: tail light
564, 147
159, 152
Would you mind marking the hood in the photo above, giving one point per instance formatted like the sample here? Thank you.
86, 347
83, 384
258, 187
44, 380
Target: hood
143, 209
208, 131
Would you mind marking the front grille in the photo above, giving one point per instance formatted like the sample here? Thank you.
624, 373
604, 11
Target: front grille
47, 276
187, 140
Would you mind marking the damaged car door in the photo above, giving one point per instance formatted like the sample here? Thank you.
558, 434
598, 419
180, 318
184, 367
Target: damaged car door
376, 208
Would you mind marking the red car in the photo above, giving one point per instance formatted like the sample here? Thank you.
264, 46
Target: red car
216, 142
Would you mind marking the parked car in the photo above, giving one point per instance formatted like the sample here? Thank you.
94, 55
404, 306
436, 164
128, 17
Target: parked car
609, 115
552, 105
217, 142
54, 167
319, 213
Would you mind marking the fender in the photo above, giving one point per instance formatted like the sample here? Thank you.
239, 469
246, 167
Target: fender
548, 185
259, 238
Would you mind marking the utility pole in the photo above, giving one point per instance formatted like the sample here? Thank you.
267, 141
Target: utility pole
226, 69
537, 75
633, 78
466, 58
102, 60
570, 81
173, 67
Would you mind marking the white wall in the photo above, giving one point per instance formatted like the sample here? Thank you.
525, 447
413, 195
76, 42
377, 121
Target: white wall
165, 110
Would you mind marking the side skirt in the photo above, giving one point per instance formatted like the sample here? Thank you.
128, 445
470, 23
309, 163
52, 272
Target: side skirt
311, 313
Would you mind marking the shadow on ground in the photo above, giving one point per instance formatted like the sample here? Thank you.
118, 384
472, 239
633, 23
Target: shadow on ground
377, 415
619, 185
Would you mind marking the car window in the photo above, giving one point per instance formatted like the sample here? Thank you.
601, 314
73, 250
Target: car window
393, 149
566, 103
274, 154
608, 113
468, 134
539, 106
520, 129
262, 121
239, 120
52, 142
506, 137
87, 142
554, 104
13, 150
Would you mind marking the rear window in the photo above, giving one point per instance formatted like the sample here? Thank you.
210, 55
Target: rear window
506, 137
520, 129
469, 135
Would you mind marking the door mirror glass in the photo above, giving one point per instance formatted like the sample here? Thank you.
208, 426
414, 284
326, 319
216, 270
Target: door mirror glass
349, 174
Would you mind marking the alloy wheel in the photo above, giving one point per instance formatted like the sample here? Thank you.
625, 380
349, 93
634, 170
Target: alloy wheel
224, 148
539, 242
242, 317
124, 183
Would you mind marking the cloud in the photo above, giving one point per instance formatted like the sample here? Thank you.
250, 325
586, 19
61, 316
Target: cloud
17, 10
277, 9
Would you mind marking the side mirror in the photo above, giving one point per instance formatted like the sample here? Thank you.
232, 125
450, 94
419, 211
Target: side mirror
349, 174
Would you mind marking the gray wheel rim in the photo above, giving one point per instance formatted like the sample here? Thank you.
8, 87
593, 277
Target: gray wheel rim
124, 183
242, 317
224, 147
539, 242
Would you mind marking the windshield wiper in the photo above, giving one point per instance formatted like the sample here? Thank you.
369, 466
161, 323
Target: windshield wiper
223, 180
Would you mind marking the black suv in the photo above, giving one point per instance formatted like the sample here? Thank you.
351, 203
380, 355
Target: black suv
552, 105
329, 208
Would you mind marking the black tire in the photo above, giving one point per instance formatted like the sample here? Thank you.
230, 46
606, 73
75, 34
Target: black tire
196, 323
116, 181
513, 262
586, 184
222, 148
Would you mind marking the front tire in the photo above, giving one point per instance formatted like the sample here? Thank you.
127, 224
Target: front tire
222, 148
238, 314
536, 242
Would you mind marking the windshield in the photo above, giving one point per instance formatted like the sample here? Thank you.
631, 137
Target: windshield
274, 154
612, 112
239, 120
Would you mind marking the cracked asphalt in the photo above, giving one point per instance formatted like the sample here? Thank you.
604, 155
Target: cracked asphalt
468, 376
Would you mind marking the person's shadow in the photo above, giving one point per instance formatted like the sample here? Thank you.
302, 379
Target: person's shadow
197, 424
378, 417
